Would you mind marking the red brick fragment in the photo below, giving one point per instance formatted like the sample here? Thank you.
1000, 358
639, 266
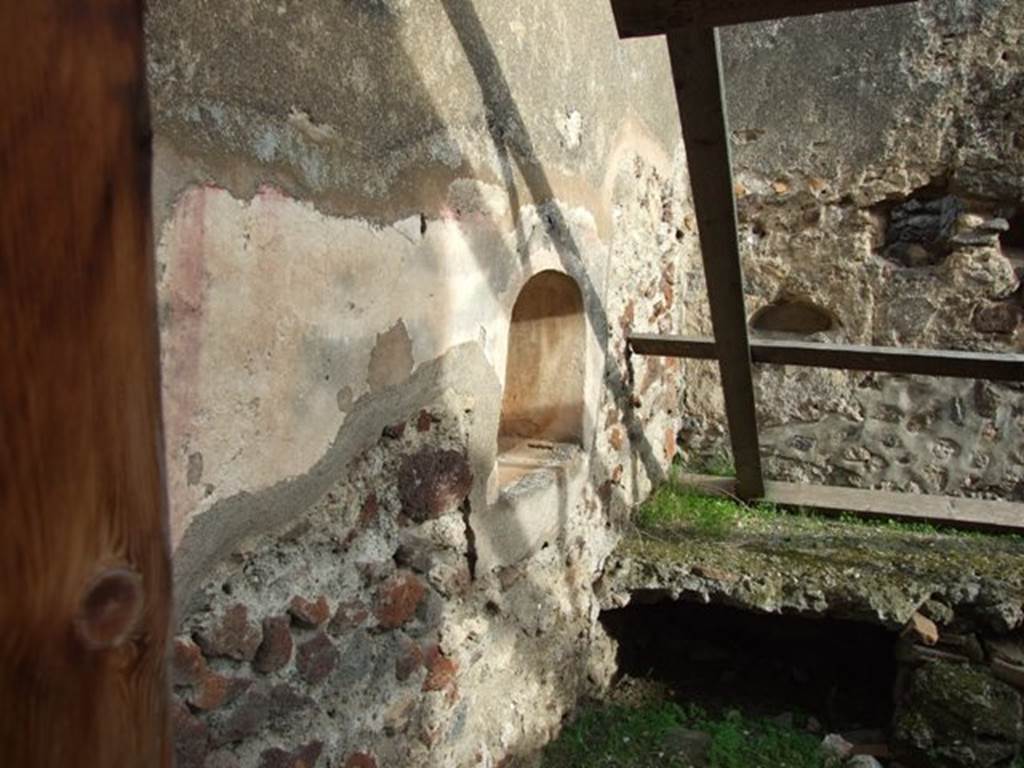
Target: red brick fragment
303, 757
231, 635
361, 760
309, 614
441, 670
432, 483
370, 511
276, 649
187, 663
316, 659
397, 599
216, 690
424, 421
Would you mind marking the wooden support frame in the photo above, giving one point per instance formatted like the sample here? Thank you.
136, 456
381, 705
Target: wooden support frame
697, 70
973, 514
695, 55
85, 570
925, 362
641, 18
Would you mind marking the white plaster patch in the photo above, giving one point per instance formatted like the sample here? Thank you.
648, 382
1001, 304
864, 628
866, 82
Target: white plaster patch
570, 128
272, 310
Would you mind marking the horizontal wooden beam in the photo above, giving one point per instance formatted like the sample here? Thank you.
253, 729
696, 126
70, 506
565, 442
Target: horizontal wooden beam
925, 362
639, 18
953, 511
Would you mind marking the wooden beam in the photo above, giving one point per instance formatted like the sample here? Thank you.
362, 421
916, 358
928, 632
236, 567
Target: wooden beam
924, 362
953, 511
640, 18
697, 72
84, 563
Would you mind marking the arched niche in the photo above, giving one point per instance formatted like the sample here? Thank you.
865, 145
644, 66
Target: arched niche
545, 369
792, 316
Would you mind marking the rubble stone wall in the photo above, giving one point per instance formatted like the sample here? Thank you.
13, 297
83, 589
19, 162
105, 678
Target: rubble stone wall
880, 169
349, 199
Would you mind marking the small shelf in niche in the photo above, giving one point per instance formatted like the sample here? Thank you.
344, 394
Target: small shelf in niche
516, 459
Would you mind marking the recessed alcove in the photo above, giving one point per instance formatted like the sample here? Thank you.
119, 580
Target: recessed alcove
792, 316
1013, 238
543, 402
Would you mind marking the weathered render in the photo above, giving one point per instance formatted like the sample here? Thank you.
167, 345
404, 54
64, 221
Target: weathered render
880, 169
384, 556
351, 199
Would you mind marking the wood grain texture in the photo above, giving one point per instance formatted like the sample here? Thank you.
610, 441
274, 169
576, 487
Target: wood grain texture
697, 72
847, 357
640, 18
84, 562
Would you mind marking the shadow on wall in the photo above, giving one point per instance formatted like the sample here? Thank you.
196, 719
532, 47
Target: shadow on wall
514, 146
539, 327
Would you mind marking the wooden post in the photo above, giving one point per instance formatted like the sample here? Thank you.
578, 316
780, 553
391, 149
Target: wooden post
84, 561
697, 72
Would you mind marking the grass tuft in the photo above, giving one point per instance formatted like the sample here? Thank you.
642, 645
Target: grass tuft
716, 516
616, 736
706, 514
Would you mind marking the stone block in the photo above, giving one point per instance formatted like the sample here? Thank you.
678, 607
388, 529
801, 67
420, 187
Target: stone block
246, 721
441, 670
286, 702
191, 739
959, 716
528, 514
398, 599
349, 616
316, 659
187, 663
275, 651
409, 659
215, 691
361, 760
308, 613
231, 635
303, 757
432, 483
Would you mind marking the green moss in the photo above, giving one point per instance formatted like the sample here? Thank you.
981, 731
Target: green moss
963, 700
615, 735
761, 556
704, 514
675, 502
606, 736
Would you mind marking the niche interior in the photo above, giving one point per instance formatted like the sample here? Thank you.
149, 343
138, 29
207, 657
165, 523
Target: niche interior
542, 406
